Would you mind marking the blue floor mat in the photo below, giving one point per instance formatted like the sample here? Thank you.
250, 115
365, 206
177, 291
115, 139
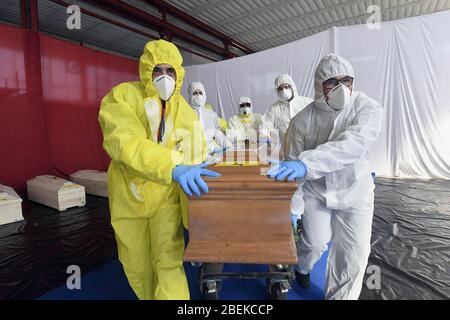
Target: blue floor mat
109, 283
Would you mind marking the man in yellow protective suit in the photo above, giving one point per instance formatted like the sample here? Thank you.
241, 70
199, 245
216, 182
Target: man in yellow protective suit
151, 135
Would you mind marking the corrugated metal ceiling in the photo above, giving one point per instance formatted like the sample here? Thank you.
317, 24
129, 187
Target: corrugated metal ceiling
263, 24
258, 24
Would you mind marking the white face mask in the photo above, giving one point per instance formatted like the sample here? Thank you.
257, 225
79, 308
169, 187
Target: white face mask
285, 94
198, 101
339, 97
245, 111
165, 86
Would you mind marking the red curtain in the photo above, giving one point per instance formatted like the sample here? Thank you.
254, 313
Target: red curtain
50, 93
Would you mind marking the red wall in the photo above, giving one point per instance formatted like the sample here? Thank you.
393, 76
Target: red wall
50, 92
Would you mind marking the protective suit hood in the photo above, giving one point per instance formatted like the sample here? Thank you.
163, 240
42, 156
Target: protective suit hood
286, 79
330, 66
196, 86
160, 52
193, 87
249, 110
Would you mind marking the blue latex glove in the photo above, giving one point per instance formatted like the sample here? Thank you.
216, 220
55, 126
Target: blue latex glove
287, 169
219, 150
190, 178
265, 140
294, 219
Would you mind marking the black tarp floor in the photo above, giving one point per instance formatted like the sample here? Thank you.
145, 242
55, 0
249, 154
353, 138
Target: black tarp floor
410, 243
35, 253
411, 239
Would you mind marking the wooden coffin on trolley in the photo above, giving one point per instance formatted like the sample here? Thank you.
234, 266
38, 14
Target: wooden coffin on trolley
245, 218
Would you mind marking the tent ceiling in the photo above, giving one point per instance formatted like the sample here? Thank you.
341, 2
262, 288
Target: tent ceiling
258, 24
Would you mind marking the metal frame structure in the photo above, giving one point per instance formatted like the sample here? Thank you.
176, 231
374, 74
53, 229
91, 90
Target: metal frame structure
29, 14
129, 28
142, 17
166, 30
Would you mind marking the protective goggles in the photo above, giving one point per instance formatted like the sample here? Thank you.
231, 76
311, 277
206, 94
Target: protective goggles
333, 82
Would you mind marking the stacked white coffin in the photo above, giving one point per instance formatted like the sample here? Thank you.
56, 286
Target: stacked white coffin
95, 182
55, 192
10, 205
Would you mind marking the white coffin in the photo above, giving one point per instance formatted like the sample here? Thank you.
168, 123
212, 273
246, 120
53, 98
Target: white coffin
95, 182
56, 192
10, 205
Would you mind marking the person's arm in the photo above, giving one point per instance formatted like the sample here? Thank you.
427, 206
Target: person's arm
267, 123
232, 123
294, 140
220, 138
236, 130
126, 141
347, 147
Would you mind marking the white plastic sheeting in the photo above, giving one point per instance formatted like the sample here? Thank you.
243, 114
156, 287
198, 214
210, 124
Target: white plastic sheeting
405, 65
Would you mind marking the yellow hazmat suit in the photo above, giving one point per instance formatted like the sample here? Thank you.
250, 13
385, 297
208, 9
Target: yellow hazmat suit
147, 207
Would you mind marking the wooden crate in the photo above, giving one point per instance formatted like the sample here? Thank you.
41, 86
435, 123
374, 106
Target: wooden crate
10, 205
95, 182
245, 218
55, 192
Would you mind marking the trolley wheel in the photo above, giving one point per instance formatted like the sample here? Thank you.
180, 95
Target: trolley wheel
210, 290
279, 291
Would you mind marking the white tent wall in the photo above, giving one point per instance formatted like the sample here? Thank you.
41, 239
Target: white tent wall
253, 75
405, 65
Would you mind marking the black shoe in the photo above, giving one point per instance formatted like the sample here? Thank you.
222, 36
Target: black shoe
303, 280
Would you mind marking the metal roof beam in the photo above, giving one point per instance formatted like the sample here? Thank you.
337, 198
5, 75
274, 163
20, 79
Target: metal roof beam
136, 15
182, 15
29, 14
127, 27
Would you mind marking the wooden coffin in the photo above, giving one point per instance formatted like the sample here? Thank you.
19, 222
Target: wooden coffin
10, 205
245, 218
94, 182
55, 192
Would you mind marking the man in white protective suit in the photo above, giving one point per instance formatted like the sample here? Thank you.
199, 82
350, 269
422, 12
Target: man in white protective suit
215, 138
327, 146
276, 119
275, 123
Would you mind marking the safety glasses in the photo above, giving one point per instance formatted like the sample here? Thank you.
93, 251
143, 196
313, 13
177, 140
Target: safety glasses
245, 105
333, 82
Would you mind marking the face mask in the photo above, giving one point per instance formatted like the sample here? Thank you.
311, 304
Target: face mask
339, 97
165, 86
198, 101
285, 94
245, 111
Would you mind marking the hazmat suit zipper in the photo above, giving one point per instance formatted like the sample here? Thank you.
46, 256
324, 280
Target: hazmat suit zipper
161, 128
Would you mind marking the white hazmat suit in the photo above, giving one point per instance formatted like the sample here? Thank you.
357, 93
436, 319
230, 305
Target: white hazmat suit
279, 114
215, 139
338, 189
